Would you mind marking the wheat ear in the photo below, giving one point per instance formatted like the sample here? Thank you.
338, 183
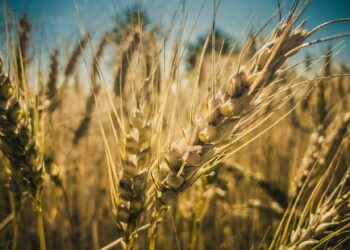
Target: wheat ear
18, 141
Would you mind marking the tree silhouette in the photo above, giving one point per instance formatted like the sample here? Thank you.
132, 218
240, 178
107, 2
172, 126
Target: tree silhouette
223, 43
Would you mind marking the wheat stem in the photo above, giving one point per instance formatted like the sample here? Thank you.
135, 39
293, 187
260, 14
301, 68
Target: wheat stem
15, 221
40, 224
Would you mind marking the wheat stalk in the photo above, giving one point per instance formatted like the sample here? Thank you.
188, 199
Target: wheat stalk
56, 96
51, 91
23, 34
131, 45
84, 124
74, 57
330, 220
320, 153
130, 203
191, 157
18, 141
188, 155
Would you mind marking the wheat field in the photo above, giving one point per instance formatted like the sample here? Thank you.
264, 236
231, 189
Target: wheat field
151, 137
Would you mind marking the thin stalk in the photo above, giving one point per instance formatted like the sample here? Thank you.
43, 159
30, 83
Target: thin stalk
194, 233
41, 233
15, 222
152, 242
70, 217
130, 245
120, 240
152, 232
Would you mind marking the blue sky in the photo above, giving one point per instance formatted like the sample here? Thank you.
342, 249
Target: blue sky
56, 23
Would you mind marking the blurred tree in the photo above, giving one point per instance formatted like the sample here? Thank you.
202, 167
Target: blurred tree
223, 44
